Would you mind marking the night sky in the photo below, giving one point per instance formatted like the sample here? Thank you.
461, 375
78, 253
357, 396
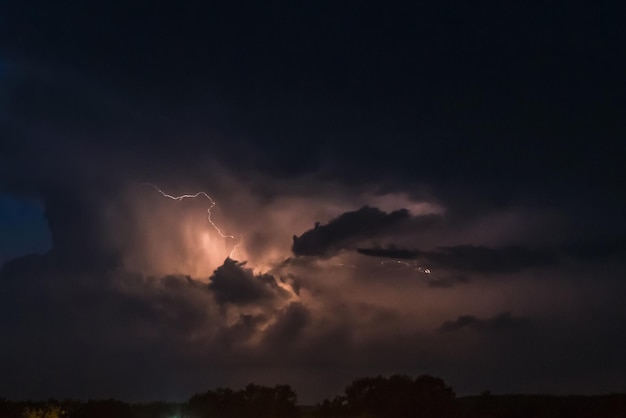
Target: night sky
412, 187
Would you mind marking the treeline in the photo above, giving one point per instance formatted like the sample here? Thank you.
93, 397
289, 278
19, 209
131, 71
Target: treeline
253, 401
398, 396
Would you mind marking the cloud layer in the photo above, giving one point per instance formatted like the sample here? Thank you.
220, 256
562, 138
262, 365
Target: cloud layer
409, 191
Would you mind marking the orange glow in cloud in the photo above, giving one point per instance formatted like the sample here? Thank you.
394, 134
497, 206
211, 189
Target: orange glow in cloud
167, 233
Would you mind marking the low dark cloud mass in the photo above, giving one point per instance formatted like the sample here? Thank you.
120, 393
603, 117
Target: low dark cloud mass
347, 229
233, 283
480, 259
368, 172
390, 252
289, 325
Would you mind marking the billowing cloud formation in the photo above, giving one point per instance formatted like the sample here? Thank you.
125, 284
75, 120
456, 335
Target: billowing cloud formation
346, 230
235, 284
140, 288
364, 226
124, 324
315, 322
288, 327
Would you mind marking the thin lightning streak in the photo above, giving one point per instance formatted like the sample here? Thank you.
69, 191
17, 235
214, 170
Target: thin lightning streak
352, 266
404, 263
419, 269
213, 203
230, 255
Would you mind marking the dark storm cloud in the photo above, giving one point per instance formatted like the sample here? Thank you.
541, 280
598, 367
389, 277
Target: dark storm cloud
352, 230
77, 225
53, 121
390, 252
417, 99
31, 280
67, 132
346, 230
232, 283
130, 330
481, 108
289, 325
597, 248
79, 315
243, 330
501, 322
480, 259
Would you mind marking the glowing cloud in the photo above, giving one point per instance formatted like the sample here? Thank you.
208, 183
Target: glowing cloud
212, 205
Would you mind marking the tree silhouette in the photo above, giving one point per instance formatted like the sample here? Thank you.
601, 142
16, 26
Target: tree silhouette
398, 396
253, 401
10, 409
103, 409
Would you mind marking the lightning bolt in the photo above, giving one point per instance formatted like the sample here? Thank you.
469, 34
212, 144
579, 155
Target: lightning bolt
211, 206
